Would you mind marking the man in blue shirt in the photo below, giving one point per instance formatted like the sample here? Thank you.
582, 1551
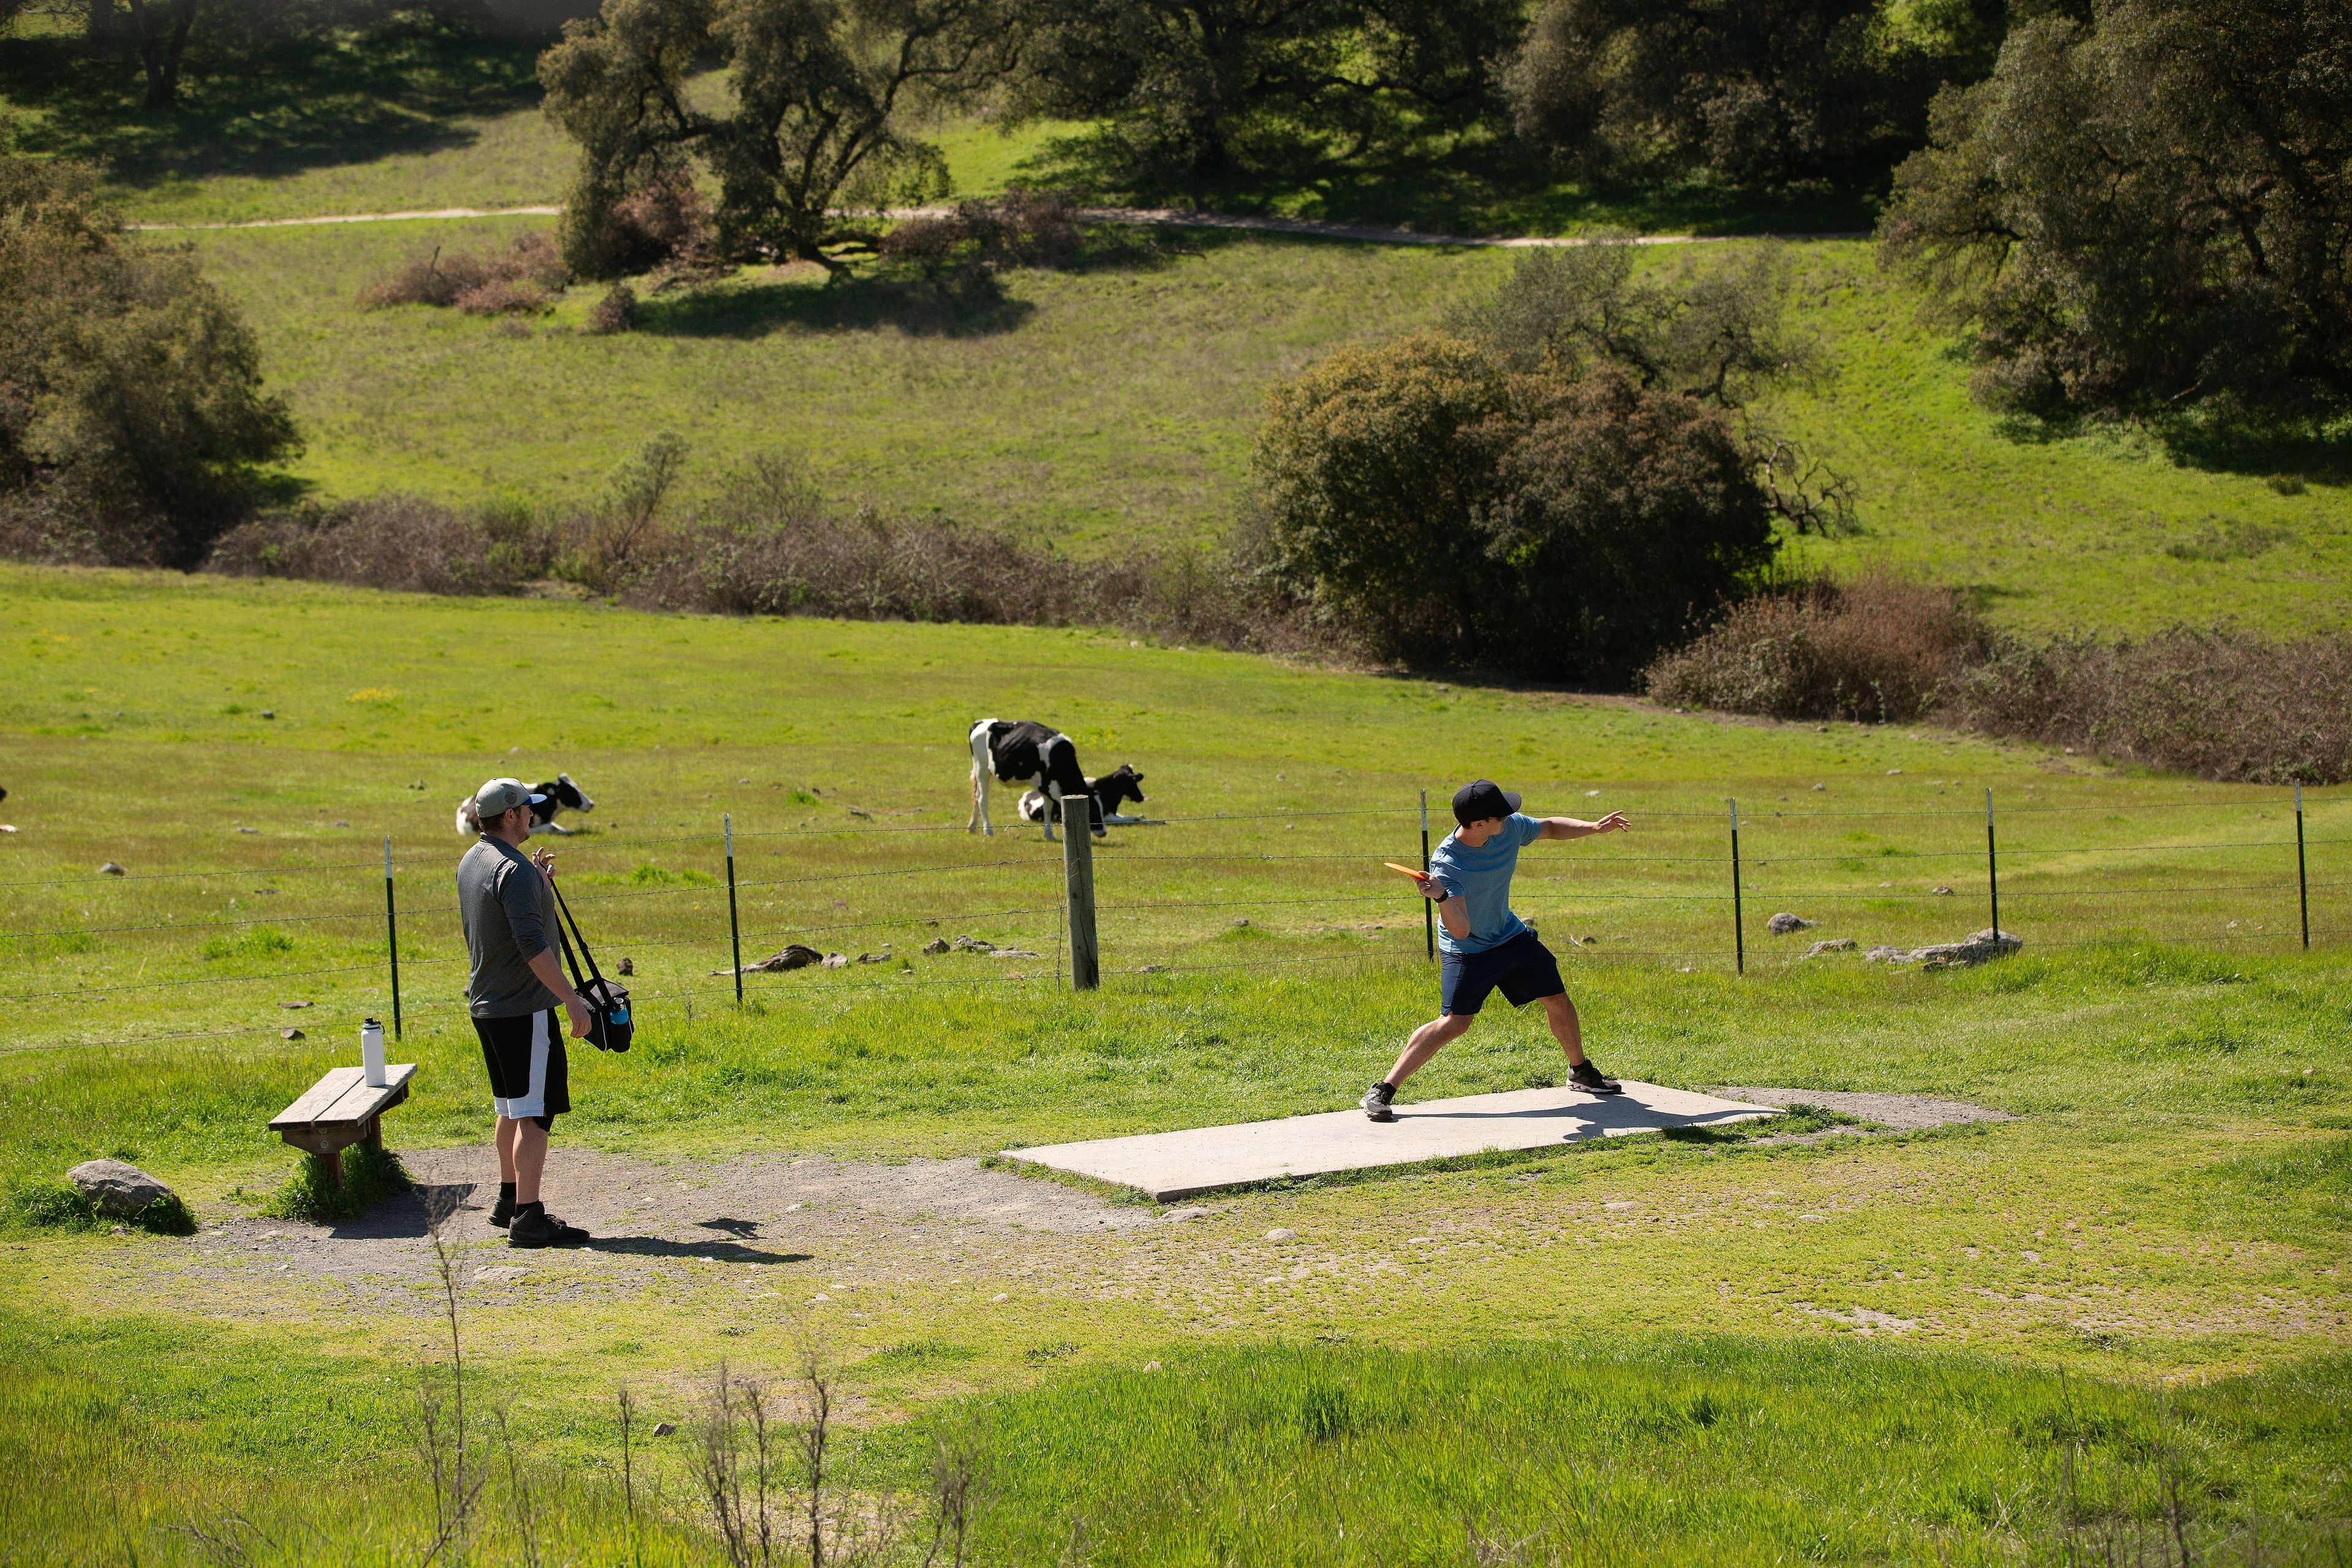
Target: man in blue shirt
1484, 947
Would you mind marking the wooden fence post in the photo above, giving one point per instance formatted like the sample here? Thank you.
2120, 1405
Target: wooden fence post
1079, 887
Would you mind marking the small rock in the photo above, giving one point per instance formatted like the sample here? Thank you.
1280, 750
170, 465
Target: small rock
1154, 969
1001, 1296
1887, 955
1940, 891
1620, 1204
1151, 1366
1833, 944
289, 1034
626, 966
1784, 923
881, 957
1280, 1233
936, 945
340, 823
269, 712
664, 1428
1891, 771
117, 1188
1242, 922
1820, 789
1173, 1215
111, 869
835, 961
972, 944
293, 1004
499, 1275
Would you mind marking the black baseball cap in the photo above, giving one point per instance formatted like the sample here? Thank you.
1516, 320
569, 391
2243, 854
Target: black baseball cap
1478, 801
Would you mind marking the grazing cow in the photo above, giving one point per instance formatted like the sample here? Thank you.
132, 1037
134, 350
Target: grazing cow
1020, 751
561, 796
1124, 783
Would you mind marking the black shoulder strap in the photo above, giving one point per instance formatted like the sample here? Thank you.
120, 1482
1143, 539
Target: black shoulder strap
594, 973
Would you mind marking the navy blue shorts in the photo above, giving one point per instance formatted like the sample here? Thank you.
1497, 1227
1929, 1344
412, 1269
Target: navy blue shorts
1523, 969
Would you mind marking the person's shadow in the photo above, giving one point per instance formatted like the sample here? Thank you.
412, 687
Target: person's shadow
412, 1215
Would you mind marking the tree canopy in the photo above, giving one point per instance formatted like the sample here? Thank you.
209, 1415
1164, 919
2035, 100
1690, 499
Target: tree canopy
131, 412
814, 131
2149, 210
1193, 87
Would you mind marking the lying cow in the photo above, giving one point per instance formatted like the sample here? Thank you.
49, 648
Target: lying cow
1122, 784
1023, 751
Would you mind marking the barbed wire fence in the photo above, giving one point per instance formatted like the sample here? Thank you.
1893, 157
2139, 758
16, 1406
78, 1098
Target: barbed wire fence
687, 930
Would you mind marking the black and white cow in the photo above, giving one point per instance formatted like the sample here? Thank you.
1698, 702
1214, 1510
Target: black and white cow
1023, 751
1121, 784
561, 796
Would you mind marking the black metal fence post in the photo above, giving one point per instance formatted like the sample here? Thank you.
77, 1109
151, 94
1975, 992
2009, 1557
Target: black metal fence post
1428, 909
1738, 931
1992, 870
2302, 876
392, 936
734, 926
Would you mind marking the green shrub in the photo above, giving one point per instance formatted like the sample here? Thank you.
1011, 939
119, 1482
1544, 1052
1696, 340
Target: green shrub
134, 420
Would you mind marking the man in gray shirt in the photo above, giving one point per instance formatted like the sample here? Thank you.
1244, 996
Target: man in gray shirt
514, 992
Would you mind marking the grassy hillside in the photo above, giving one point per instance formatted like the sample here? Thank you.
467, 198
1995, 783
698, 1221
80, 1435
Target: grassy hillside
1119, 404
2167, 1206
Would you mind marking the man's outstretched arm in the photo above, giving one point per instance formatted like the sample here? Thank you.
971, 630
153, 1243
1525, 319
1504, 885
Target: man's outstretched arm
1576, 827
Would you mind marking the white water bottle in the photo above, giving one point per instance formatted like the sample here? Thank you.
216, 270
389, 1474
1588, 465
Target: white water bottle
371, 1053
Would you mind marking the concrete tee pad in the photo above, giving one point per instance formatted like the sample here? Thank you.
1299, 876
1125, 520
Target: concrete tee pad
1169, 1165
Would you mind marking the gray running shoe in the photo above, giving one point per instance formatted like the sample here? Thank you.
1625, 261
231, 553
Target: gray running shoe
1378, 1102
1589, 1078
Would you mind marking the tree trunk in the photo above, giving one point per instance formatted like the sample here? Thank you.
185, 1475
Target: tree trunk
98, 32
160, 50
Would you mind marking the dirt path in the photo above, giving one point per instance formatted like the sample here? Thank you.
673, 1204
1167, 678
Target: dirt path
1163, 218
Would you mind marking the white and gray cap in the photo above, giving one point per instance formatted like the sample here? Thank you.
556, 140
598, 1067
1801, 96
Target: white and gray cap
498, 796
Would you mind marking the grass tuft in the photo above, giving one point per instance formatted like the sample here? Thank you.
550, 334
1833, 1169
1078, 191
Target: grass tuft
369, 1176
60, 1205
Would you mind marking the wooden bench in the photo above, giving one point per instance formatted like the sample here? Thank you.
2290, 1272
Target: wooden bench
339, 1111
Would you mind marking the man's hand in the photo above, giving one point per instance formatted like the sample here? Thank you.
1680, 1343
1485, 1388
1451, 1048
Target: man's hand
1613, 822
577, 1011
1429, 887
545, 860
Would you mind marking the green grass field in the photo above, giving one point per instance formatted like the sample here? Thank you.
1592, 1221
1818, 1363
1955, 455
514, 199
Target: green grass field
1893, 1350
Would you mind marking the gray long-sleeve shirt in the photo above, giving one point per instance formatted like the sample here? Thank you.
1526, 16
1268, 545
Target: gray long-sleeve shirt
510, 917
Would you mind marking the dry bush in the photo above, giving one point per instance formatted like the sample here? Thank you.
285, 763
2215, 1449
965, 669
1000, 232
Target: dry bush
615, 313
663, 223
1880, 648
482, 283
1019, 228
2222, 704
391, 542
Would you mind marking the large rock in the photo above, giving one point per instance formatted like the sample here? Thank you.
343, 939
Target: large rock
116, 1188
1785, 923
1980, 947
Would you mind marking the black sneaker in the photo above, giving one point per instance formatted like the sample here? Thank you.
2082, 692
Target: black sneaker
502, 1212
541, 1229
1589, 1078
1377, 1102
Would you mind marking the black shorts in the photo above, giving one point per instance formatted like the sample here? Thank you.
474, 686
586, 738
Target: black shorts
1523, 969
528, 1076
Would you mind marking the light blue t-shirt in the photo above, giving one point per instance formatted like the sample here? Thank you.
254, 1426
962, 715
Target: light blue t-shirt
1481, 878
